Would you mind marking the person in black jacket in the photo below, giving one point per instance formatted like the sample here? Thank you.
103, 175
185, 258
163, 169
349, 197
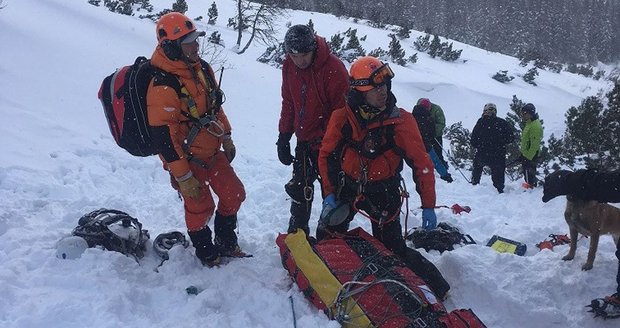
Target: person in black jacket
426, 125
490, 137
590, 185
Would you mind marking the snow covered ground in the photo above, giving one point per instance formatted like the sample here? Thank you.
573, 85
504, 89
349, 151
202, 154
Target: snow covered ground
58, 162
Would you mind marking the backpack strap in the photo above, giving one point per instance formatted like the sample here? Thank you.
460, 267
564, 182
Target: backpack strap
207, 120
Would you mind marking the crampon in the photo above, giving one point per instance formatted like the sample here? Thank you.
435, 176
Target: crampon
608, 307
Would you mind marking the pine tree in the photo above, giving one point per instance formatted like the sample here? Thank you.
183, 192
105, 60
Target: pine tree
462, 152
380, 54
611, 125
273, 55
448, 54
124, 7
585, 132
311, 25
530, 76
503, 77
404, 32
335, 44
180, 6
353, 49
213, 14
395, 51
258, 20
434, 49
215, 38
422, 43
145, 4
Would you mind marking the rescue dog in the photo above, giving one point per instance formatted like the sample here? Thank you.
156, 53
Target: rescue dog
593, 219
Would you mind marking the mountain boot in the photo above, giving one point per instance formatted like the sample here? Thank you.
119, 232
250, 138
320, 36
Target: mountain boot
226, 237
206, 251
300, 215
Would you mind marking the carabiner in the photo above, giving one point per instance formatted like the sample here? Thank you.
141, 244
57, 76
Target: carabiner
308, 193
215, 129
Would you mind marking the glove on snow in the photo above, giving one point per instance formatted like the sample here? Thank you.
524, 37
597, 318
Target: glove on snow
447, 178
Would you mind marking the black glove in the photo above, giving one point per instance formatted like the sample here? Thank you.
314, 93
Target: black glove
284, 148
447, 178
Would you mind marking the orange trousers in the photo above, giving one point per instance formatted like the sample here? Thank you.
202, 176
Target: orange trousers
221, 179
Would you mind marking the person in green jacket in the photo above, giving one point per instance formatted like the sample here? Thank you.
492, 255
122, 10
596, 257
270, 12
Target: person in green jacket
440, 125
531, 139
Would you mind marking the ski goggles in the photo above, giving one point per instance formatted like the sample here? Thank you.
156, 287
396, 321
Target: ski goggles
378, 78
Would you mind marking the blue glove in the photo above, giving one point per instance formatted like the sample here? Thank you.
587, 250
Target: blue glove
330, 200
429, 219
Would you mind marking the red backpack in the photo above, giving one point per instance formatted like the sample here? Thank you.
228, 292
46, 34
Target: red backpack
123, 96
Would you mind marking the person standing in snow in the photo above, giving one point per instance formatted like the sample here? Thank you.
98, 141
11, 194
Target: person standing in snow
590, 185
197, 157
531, 139
426, 125
314, 84
440, 124
489, 137
360, 161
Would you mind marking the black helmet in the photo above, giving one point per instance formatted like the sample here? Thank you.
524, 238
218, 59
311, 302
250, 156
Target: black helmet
299, 39
529, 108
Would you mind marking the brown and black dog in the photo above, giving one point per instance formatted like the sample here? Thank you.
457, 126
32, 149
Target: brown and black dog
593, 219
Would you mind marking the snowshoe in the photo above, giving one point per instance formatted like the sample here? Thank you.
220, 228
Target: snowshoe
608, 307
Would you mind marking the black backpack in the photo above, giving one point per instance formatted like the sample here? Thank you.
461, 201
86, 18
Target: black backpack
443, 238
113, 230
123, 96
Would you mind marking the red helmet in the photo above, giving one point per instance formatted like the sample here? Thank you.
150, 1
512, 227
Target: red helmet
174, 26
368, 72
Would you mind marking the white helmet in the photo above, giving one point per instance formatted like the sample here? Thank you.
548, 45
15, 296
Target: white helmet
71, 247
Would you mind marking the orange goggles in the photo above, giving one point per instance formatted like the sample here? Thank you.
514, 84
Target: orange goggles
378, 78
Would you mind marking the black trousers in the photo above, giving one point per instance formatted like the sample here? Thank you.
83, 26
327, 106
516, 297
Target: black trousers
529, 170
496, 163
301, 186
382, 201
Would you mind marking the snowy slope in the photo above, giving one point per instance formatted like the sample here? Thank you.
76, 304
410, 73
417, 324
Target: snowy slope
59, 162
